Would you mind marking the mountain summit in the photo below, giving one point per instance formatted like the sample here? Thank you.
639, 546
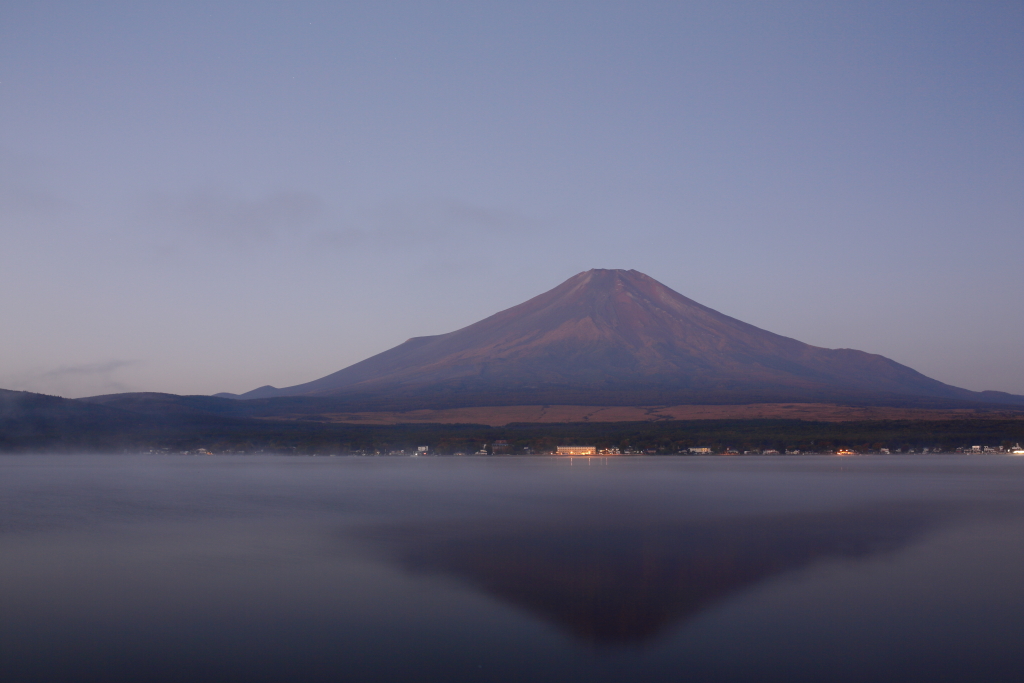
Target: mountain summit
617, 337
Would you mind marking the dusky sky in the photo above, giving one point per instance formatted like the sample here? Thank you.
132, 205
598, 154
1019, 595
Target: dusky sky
211, 196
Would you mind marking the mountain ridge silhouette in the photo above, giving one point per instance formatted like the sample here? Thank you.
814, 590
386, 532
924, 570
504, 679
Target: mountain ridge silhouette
619, 337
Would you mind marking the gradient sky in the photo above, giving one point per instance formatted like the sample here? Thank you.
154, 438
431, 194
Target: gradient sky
211, 196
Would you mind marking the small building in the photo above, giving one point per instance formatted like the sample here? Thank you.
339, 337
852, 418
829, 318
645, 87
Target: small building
576, 450
701, 451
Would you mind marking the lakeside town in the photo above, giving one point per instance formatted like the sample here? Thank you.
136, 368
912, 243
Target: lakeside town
502, 448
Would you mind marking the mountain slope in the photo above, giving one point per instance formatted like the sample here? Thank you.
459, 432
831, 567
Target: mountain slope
615, 336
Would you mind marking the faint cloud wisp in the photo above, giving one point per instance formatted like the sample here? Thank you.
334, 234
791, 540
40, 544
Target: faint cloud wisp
235, 219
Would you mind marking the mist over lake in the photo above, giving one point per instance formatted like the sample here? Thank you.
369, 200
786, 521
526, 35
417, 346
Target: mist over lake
501, 569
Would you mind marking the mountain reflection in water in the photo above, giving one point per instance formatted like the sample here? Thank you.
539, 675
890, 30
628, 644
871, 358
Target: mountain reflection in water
621, 582
265, 569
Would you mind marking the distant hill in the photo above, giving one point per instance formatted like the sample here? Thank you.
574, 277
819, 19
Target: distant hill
618, 337
36, 422
29, 420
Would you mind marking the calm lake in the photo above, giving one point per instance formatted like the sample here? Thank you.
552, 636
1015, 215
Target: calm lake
802, 568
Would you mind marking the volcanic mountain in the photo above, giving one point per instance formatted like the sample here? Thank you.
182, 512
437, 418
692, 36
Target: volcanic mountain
619, 337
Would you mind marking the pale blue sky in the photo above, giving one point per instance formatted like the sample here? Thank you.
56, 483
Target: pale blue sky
210, 196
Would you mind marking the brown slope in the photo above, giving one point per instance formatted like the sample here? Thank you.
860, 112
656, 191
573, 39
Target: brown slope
622, 334
500, 416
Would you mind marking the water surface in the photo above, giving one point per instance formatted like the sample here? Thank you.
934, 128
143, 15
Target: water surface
503, 569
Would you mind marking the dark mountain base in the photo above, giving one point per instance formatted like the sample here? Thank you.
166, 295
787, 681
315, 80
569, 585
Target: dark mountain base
314, 406
643, 395
35, 423
142, 422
